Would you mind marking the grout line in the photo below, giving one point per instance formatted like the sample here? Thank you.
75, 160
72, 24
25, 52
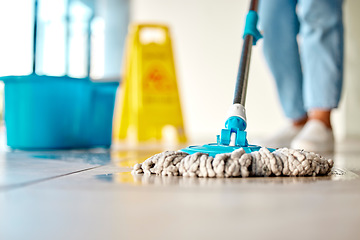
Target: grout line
20, 185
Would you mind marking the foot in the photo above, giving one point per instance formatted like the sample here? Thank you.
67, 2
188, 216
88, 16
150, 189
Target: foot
314, 137
282, 138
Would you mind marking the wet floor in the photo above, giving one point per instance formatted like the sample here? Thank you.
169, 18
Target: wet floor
93, 195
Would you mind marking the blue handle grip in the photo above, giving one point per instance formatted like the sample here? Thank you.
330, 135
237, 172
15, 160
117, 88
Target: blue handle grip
251, 26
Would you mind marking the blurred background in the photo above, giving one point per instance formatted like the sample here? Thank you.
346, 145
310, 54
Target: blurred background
207, 40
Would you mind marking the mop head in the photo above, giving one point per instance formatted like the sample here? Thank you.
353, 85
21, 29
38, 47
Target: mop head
262, 163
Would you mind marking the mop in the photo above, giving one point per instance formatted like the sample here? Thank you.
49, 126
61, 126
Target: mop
231, 155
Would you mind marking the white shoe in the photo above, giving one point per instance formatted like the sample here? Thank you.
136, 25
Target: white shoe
280, 139
314, 137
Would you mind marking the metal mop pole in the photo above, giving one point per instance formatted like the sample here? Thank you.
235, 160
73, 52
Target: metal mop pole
35, 36
243, 72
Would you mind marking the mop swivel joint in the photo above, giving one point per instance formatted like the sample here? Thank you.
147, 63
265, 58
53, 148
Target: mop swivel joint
234, 133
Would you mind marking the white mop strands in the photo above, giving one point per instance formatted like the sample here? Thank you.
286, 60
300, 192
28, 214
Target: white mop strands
281, 162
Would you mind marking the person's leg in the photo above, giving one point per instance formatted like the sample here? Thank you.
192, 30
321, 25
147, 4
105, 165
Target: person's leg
321, 31
280, 26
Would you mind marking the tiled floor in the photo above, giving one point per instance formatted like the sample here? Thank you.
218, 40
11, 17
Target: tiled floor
92, 195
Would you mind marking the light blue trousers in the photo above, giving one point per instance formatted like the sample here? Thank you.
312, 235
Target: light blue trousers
303, 45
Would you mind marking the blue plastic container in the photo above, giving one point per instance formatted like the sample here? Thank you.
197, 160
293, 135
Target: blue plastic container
46, 112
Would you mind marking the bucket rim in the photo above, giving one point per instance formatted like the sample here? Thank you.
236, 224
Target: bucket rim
36, 78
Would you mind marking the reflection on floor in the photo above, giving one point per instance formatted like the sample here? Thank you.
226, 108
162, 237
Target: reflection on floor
128, 177
93, 195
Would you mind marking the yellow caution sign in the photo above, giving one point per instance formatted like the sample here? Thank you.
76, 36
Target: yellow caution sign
149, 97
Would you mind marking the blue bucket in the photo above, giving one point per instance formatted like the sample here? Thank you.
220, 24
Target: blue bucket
47, 112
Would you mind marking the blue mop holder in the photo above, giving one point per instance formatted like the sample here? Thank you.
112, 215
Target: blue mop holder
251, 26
235, 125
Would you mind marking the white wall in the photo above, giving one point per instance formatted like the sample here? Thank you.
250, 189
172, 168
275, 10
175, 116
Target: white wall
207, 40
352, 70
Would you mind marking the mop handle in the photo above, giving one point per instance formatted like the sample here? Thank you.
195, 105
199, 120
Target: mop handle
35, 36
250, 38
